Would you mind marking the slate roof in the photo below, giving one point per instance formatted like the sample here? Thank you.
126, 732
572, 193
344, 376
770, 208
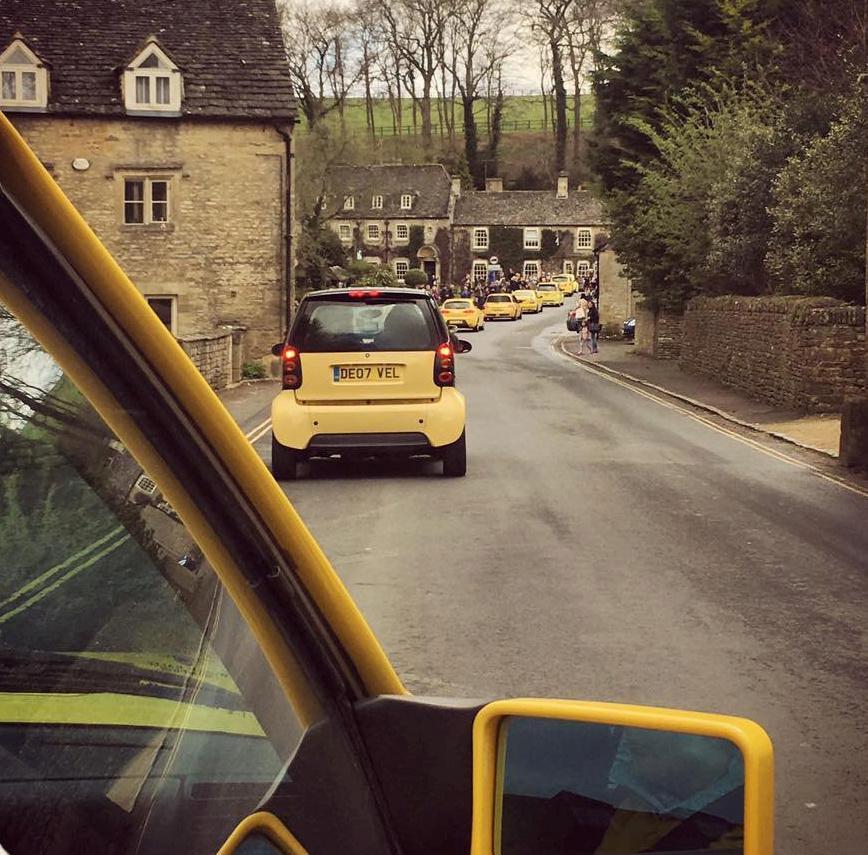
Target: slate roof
230, 52
429, 184
527, 208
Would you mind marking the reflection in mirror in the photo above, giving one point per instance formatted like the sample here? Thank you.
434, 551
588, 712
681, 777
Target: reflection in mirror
579, 788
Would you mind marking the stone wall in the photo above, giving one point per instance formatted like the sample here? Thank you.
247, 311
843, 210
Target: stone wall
212, 355
794, 352
616, 291
221, 254
659, 333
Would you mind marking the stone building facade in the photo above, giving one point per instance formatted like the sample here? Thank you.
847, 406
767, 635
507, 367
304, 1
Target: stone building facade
394, 215
173, 147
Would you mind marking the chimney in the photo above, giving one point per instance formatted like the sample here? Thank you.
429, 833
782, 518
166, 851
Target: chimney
563, 186
493, 185
456, 186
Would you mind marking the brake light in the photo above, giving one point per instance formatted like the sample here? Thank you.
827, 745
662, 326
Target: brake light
444, 366
357, 295
291, 368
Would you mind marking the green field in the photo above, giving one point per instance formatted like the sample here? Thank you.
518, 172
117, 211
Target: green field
521, 113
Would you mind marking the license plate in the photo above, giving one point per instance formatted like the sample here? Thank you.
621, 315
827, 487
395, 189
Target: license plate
366, 373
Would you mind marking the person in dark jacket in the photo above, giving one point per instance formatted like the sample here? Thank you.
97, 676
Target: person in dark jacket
594, 325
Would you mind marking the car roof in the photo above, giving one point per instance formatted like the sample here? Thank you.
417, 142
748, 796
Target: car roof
458, 300
499, 294
406, 293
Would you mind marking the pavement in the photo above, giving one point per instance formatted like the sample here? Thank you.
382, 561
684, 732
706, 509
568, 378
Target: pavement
815, 432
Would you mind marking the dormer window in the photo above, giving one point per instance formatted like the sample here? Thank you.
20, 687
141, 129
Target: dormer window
406, 202
349, 203
152, 83
377, 203
23, 78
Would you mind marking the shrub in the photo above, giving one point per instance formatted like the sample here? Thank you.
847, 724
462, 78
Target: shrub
253, 371
415, 278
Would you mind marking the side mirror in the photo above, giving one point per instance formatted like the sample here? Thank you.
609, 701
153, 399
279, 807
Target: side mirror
459, 345
574, 778
277, 349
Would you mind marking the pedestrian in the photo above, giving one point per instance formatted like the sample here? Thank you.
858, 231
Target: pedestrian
582, 309
584, 338
593, 325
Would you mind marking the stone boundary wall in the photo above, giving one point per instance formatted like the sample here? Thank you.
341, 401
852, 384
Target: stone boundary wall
212, 355
805, 353
658, 334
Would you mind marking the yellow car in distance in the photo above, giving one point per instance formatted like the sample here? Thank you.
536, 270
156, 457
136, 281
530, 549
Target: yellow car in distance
550, 294
463, 312
529, 300
566, 283
501, 306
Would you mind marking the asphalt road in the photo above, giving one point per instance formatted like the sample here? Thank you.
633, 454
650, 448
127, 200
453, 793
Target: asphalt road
605, 546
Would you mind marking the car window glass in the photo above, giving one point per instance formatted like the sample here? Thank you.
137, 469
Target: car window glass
326, 326
498, 298
138, 712
456, 304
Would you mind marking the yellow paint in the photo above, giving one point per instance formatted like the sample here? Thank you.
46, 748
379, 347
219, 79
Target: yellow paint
110, 709
268, 825
27, 180
749, 737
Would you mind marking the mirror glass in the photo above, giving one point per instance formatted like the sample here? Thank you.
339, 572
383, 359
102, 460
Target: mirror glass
578, 788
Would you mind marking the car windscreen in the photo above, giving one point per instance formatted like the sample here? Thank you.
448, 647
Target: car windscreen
364, 325
498, 298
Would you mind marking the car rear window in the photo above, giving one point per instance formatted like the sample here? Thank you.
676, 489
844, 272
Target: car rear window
522, 293
498, 298
456, 304
364, 325
546, 287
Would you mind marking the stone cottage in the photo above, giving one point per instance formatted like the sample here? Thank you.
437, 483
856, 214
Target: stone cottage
169, 127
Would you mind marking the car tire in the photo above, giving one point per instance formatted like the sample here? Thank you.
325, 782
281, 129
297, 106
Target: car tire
284, 461
455, 458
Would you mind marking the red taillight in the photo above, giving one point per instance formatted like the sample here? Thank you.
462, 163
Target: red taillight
357, 295
444, 366
291, 368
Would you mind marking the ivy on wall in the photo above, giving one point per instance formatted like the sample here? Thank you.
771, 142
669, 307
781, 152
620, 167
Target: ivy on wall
507, 243
443, 241
417, 241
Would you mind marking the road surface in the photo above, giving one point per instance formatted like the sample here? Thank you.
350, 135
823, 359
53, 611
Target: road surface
606, 546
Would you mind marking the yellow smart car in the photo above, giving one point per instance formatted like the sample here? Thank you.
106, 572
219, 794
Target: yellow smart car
368, 372
464, 313
501, 306
566, 283
184, 670
529, 300
550, 294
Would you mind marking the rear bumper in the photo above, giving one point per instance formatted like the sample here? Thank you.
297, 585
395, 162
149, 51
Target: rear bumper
414, 427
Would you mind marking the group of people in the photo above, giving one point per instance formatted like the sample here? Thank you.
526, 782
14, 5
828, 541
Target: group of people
587, 322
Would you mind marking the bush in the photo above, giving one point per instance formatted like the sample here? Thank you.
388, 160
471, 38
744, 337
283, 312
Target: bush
253, 371
415, 278
378, 277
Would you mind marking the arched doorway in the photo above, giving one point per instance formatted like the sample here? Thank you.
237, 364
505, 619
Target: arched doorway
429, 260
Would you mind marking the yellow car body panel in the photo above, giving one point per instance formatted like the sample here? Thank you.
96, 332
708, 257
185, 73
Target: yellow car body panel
463, 312
441, 418
566, 283
551, 296
529, 300
508, 308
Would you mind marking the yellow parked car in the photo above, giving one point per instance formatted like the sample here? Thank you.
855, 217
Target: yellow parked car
350, 348
550, 294
463, 312
501, 306
566, 283
529, 300
190, 674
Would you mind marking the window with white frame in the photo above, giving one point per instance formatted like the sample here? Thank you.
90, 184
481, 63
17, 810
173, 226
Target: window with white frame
166, 309
406, 202
531, 238
531, 270
583, 268
146, 201
568, 268
480, 238
480, 270
373, 233
152, 82
349, 203
402, 233
584, 239
402, 265
377, 202
345, 232
23, 78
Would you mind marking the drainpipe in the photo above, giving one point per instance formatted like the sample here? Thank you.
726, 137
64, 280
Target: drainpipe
285, 130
